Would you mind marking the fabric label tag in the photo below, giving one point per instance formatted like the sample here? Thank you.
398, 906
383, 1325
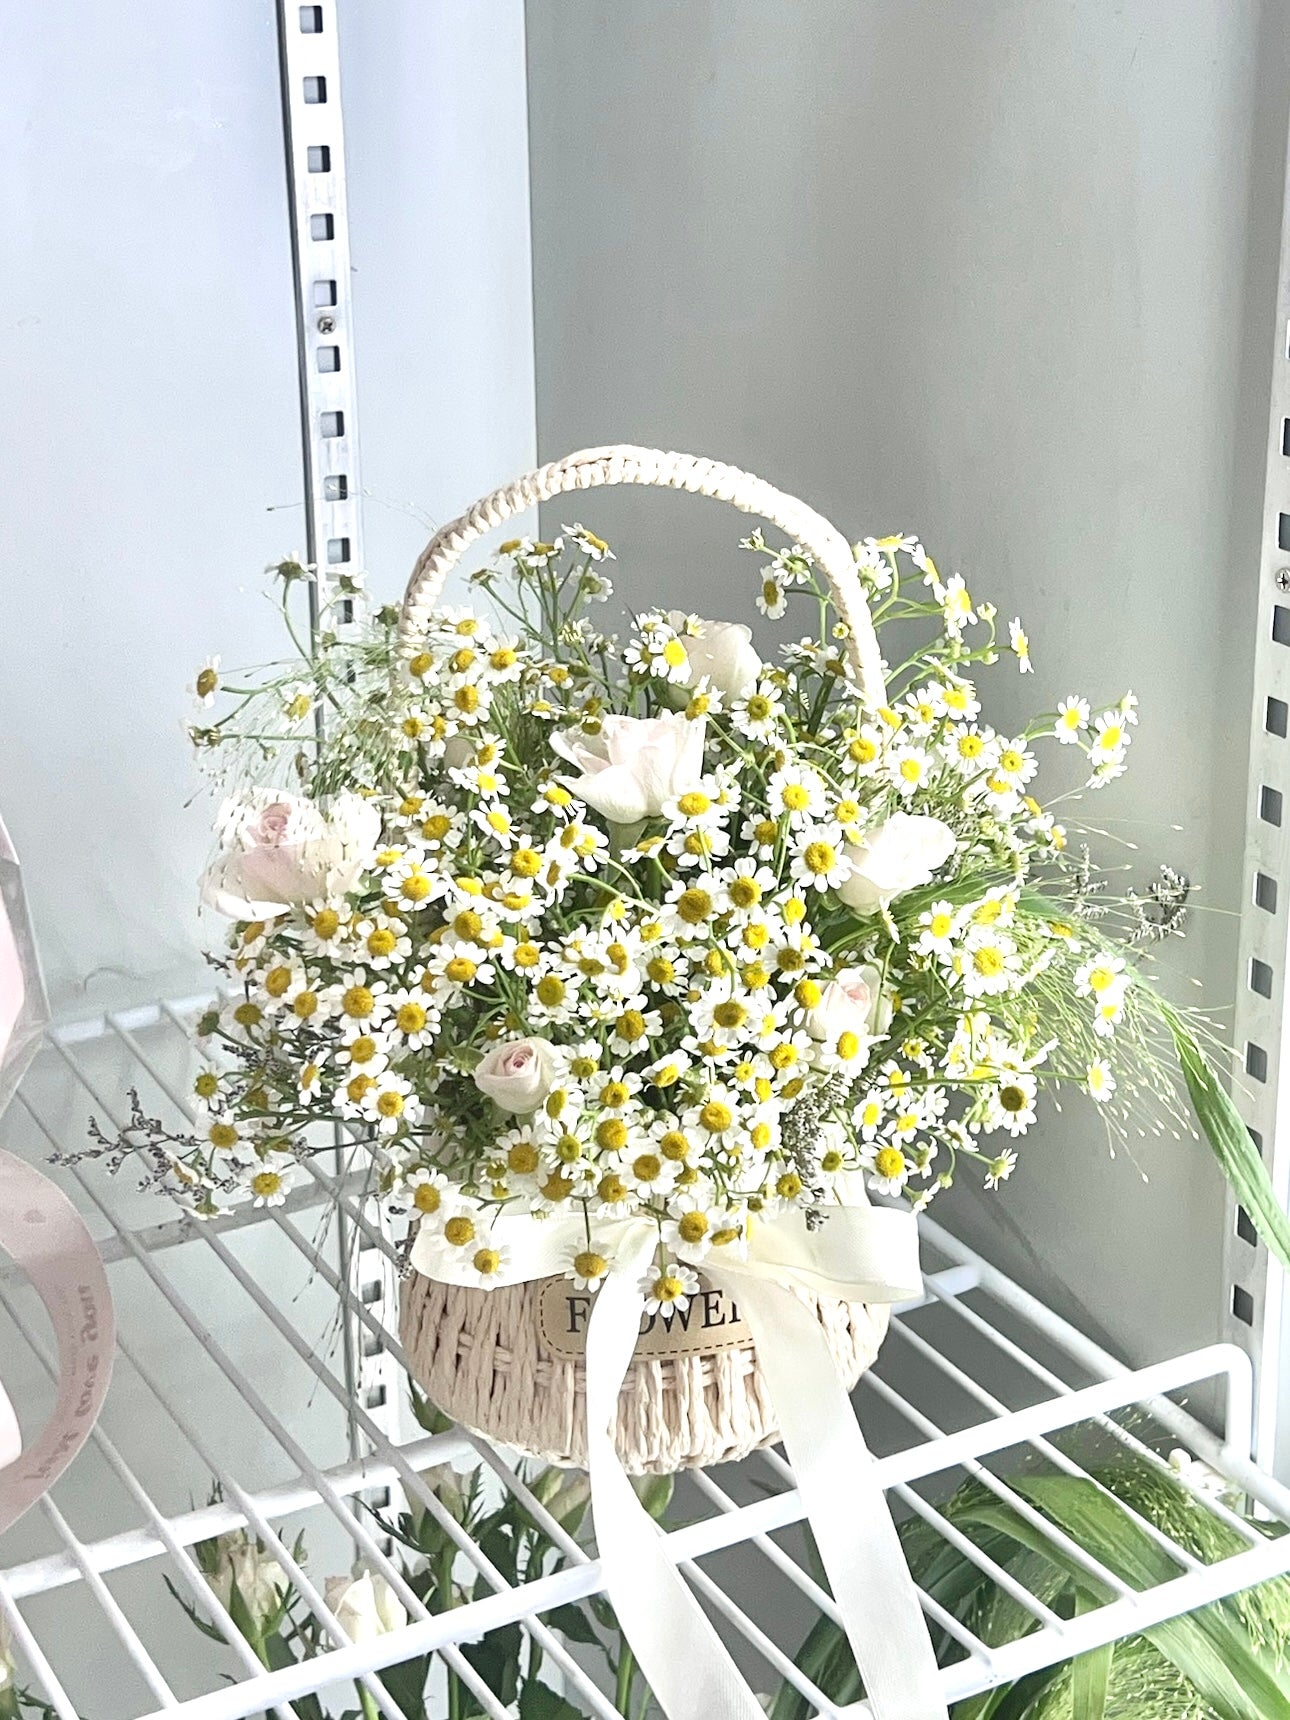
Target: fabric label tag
710, 1322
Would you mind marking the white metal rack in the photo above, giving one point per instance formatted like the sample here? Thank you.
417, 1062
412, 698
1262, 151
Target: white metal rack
975, 1379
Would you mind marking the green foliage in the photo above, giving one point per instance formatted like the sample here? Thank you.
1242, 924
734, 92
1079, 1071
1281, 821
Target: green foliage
1226, 1661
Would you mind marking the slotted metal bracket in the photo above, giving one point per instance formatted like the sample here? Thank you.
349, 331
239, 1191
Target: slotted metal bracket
1254, 1314
314, 133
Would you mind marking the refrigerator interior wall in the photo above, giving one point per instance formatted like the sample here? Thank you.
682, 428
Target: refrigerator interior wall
1004, 276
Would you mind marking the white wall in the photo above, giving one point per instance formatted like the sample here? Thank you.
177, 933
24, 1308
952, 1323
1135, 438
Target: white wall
150, 442
987, 272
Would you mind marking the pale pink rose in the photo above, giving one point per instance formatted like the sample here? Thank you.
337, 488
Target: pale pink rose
894, 857
722, 651
518, 1074
285, 849
851, 1002
635, 764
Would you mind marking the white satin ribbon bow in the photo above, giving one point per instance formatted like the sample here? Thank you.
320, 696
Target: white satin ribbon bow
860, 1254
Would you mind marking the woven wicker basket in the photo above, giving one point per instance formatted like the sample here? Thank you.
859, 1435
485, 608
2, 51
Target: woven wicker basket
484, 1356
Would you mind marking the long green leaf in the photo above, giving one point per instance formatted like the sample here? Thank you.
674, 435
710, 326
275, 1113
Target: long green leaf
1090, 1677
1210, 1648
1229, 1138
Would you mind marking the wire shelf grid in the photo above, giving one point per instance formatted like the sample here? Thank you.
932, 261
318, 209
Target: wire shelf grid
232, 1376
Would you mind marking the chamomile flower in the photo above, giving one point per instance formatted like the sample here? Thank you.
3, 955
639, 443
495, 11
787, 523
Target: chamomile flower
889, 1169
798, 793
668, 1288
1072, 720
422, 1195
758, 713
1100, 1081
1020, 645
909, 769
819, 857
588, 1269
999, 1169
268, 1179
205, 683
939, 927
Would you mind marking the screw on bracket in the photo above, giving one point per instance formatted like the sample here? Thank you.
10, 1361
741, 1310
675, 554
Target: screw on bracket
327, 325
1281, 578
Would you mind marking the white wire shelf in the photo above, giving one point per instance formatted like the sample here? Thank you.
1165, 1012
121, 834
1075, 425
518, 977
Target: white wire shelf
234, 1371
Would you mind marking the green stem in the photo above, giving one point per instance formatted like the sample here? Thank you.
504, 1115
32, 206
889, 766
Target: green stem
626, 1676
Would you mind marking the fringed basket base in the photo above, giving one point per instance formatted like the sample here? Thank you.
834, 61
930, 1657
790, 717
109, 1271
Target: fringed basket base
484, 1358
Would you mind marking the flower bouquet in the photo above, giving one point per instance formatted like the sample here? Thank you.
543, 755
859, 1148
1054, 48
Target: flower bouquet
638, 965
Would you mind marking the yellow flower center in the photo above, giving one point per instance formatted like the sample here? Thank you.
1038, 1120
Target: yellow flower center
589, 1264
550, 990
222, 1135
820, 858
795, 797
411, 1018
358, 1002
207, 681
427, 1198
988, 961
889, 1162
415, 887
420, 665
716, 1116
326, 923
694, 803
277, 980
674, 1146
614, 1095
611, 1134
631, 1025
694, 906
266, 1183
486, 1261
612, 1189
522, 1158
788, 1186
526, 863
390, 1104
206, 1085
304, 1005
668, 1288
459, 1230
692, 1226
1013, 1099
461, 970
647, 1167
382, 941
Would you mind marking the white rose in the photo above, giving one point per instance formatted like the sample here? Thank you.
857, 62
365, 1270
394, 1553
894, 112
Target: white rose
635, 764
896, 856
518, 1074
260, 1579
851, 1002
280, 849
721, 650
365, 1606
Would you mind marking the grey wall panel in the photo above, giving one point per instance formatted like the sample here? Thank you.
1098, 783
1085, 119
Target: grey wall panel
987, 273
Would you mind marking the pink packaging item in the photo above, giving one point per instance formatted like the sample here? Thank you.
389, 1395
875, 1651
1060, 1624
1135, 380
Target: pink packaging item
42, 1231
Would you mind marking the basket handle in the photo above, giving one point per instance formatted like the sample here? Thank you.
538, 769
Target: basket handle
593, 468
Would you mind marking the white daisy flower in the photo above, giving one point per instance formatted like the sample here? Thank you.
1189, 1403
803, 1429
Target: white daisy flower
1072, 718
1020, 645
1099, 1081
819, 860
205, 683
668, 1289
588, 1269
268, 1180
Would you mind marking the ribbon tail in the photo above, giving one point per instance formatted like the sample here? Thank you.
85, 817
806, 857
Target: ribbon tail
684, 1661
44, 1233
845, 1506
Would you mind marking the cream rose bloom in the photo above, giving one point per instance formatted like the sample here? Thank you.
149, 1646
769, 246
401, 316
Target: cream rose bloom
260, 1579
365, 1606
851, 1002
720, 650
635, 764
518, 1074
276, 849
896, 856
